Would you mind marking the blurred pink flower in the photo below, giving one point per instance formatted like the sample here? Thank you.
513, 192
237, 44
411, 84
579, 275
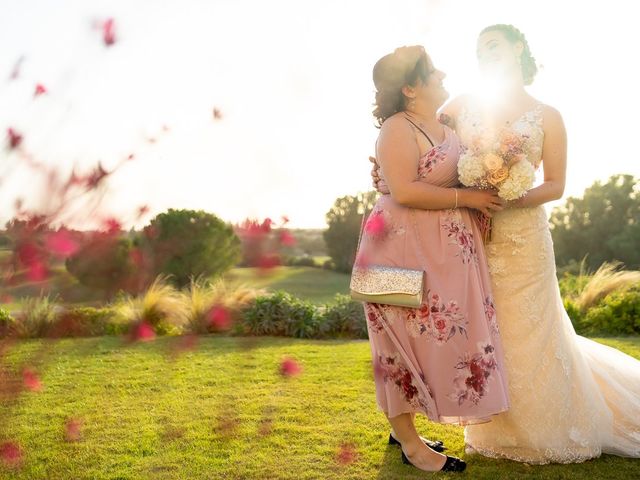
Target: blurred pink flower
217, 114
375, 224
15, 139
108, 32
286, 239
143, 332
61, 243
73, 430
11, 454
112, 225
268, 262
96, 177
219, 317
346, 454
142, 211
289, 367
40, 89
31, 380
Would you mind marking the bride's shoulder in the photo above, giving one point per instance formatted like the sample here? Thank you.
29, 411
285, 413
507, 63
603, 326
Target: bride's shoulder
551, 116
455, 105
452, 110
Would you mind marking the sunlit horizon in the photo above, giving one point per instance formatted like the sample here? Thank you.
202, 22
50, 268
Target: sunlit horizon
293, 84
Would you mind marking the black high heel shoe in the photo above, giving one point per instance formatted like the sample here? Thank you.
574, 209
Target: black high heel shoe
435, 445
452, 464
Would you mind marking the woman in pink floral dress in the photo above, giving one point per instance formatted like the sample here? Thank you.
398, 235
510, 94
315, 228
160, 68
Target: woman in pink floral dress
444, 359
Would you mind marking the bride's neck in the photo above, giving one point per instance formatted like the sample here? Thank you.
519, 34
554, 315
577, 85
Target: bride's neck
513, 91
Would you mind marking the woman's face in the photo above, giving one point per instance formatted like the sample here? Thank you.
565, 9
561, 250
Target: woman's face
432, 91
496, 55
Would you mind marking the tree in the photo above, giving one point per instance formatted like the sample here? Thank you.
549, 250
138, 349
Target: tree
603, 225
189, 243
344, 221
104, 261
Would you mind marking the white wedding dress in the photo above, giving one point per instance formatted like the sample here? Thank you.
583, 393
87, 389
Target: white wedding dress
571, 398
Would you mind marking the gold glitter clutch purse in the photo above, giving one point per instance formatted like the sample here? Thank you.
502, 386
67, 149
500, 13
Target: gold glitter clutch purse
397, 286
389, 285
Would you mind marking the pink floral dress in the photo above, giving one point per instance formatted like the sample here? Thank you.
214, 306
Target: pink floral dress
445, 358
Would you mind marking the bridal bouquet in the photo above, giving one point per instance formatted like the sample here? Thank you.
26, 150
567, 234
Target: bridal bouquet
502, 165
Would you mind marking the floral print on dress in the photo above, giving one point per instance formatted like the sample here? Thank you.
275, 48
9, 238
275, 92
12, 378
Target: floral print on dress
474, 372
461, 236
490, 312
437, 320
430, 160
375, 317
394, 371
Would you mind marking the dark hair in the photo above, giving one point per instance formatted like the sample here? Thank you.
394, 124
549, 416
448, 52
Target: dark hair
513, 35
393, 72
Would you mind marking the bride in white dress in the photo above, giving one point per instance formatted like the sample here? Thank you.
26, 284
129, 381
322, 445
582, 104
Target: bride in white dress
571, 398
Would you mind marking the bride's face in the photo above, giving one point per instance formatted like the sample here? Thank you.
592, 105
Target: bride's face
497, 56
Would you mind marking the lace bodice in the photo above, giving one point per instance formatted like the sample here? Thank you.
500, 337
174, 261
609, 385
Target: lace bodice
472, 123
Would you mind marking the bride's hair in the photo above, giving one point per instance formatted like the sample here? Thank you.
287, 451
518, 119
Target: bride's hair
513, 35
393, 72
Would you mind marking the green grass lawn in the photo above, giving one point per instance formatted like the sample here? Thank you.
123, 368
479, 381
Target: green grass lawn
223, 411
314, 284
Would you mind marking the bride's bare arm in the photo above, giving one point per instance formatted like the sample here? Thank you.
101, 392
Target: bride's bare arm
449, 113
554, 162
398, 155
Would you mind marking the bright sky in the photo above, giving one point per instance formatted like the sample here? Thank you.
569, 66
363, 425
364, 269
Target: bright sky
293, 80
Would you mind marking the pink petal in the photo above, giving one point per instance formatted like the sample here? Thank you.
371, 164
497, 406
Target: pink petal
15, 138
346, 454
268, 262
40, 89
289, 367
37, 271
61, 243
375, 225
108, 32
219, 317
31, 380
286, 239
11, 454
73, 430
143, 332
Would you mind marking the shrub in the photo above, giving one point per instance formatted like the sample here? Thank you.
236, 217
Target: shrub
607, 279
617, 314
344, 318
304, 261
7, 323
82, 322
38, 316
329, 265
187, 244
161, 306
281, 314
576, 316
202, 296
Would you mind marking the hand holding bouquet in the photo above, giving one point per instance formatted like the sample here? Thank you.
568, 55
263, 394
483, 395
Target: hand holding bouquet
501, 165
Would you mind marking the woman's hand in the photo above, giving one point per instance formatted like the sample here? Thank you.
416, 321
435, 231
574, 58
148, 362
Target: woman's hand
487, 201
375, 172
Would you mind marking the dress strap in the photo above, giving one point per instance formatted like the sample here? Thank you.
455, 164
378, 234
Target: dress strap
423, 132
